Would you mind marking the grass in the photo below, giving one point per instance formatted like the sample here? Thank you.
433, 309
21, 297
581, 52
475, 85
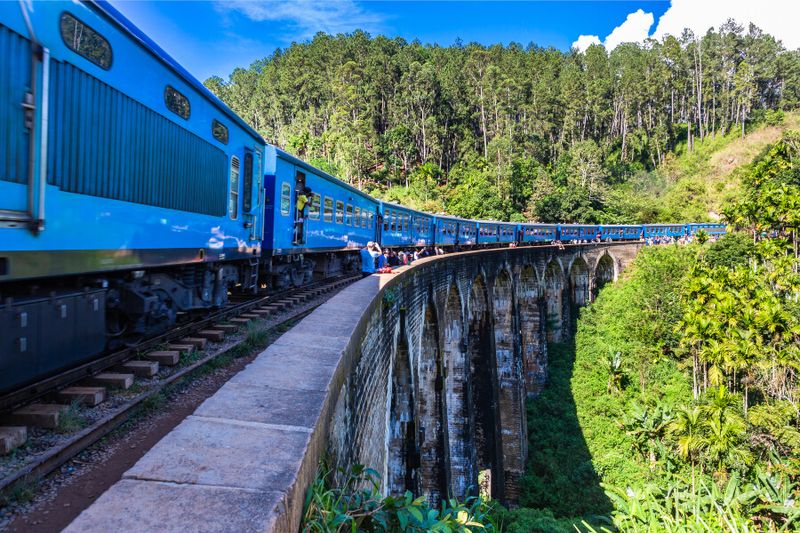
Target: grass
71, 419
21, 492
700, 182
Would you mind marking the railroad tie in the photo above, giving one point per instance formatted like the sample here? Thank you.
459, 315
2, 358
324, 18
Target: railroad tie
197, 342
142, 369
214, 335
227, 328
251, 315
88, 396
261, 312
164, 357
12, 437
40, 415
114, 380
240, 321
181, 347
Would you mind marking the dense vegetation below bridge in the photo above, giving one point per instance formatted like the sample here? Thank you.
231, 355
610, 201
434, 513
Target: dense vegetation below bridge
523, 133
676, 408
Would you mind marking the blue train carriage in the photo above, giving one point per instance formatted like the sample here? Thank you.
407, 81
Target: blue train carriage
128, 192
577, 232
326, 236
619, 232
663, 230
538, 233
711, 228
404, 227
467, 232
446, 230
507, 232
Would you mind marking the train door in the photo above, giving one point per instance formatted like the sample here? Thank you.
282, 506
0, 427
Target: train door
253, 193
378, 225
301, 201
23, 115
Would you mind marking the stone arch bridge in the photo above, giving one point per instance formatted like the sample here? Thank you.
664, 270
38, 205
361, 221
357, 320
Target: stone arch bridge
421, 375
436, 395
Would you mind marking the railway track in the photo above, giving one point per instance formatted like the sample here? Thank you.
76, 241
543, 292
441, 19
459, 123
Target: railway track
197, 343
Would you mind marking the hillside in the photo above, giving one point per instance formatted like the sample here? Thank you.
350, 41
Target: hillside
515, 132
697, 184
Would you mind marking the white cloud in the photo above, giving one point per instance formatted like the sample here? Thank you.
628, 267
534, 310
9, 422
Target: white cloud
776, 17
636, 28
585, 41
307, 17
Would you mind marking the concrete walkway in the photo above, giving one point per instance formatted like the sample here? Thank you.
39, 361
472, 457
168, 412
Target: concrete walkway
242, 461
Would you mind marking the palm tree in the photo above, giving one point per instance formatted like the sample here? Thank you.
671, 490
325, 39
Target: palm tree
687, 426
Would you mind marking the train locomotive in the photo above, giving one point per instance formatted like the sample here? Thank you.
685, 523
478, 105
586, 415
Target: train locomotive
131, 197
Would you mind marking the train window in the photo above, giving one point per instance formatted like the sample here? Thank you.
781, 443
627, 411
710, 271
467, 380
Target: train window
286, 198
313, 207
392, 218
233, 199
348, 219
357, 216
328, 217
386, 216
405, 223
176, 102
247, 186
219, 131
85, 42
371, 218
339, 211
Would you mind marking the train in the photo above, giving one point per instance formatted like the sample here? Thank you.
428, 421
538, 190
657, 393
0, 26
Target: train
132, 197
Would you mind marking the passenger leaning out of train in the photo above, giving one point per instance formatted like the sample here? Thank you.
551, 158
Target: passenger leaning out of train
369, 258
303, 198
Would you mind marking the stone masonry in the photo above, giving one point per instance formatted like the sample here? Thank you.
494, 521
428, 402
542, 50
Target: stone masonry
421, 375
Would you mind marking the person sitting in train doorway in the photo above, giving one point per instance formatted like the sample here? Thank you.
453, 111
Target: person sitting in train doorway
303, 199
598, 238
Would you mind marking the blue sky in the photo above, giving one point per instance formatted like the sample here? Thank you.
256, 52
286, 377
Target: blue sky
212, 37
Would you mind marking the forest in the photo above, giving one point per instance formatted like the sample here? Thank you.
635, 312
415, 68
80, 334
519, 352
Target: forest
677, 408
514, 132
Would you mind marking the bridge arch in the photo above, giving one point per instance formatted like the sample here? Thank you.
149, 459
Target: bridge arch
605, 271
431, 413
554, 298
456, 375
482, 370
401, 453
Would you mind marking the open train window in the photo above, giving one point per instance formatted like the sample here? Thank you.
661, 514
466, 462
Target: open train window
371, 218
286, 198
219, 131
386, 216
348, 217
247, 186
233, 199
339, 211
85, 42
313, 207
176, 102
328, 217
357, 217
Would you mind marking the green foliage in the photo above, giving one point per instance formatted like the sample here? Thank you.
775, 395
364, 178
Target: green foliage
519, 132
356, 504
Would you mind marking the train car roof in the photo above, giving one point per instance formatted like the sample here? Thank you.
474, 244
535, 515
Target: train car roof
104, 7
401, 206
270, 169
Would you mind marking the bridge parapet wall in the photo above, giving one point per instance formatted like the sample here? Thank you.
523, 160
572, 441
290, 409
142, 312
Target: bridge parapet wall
421, 375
